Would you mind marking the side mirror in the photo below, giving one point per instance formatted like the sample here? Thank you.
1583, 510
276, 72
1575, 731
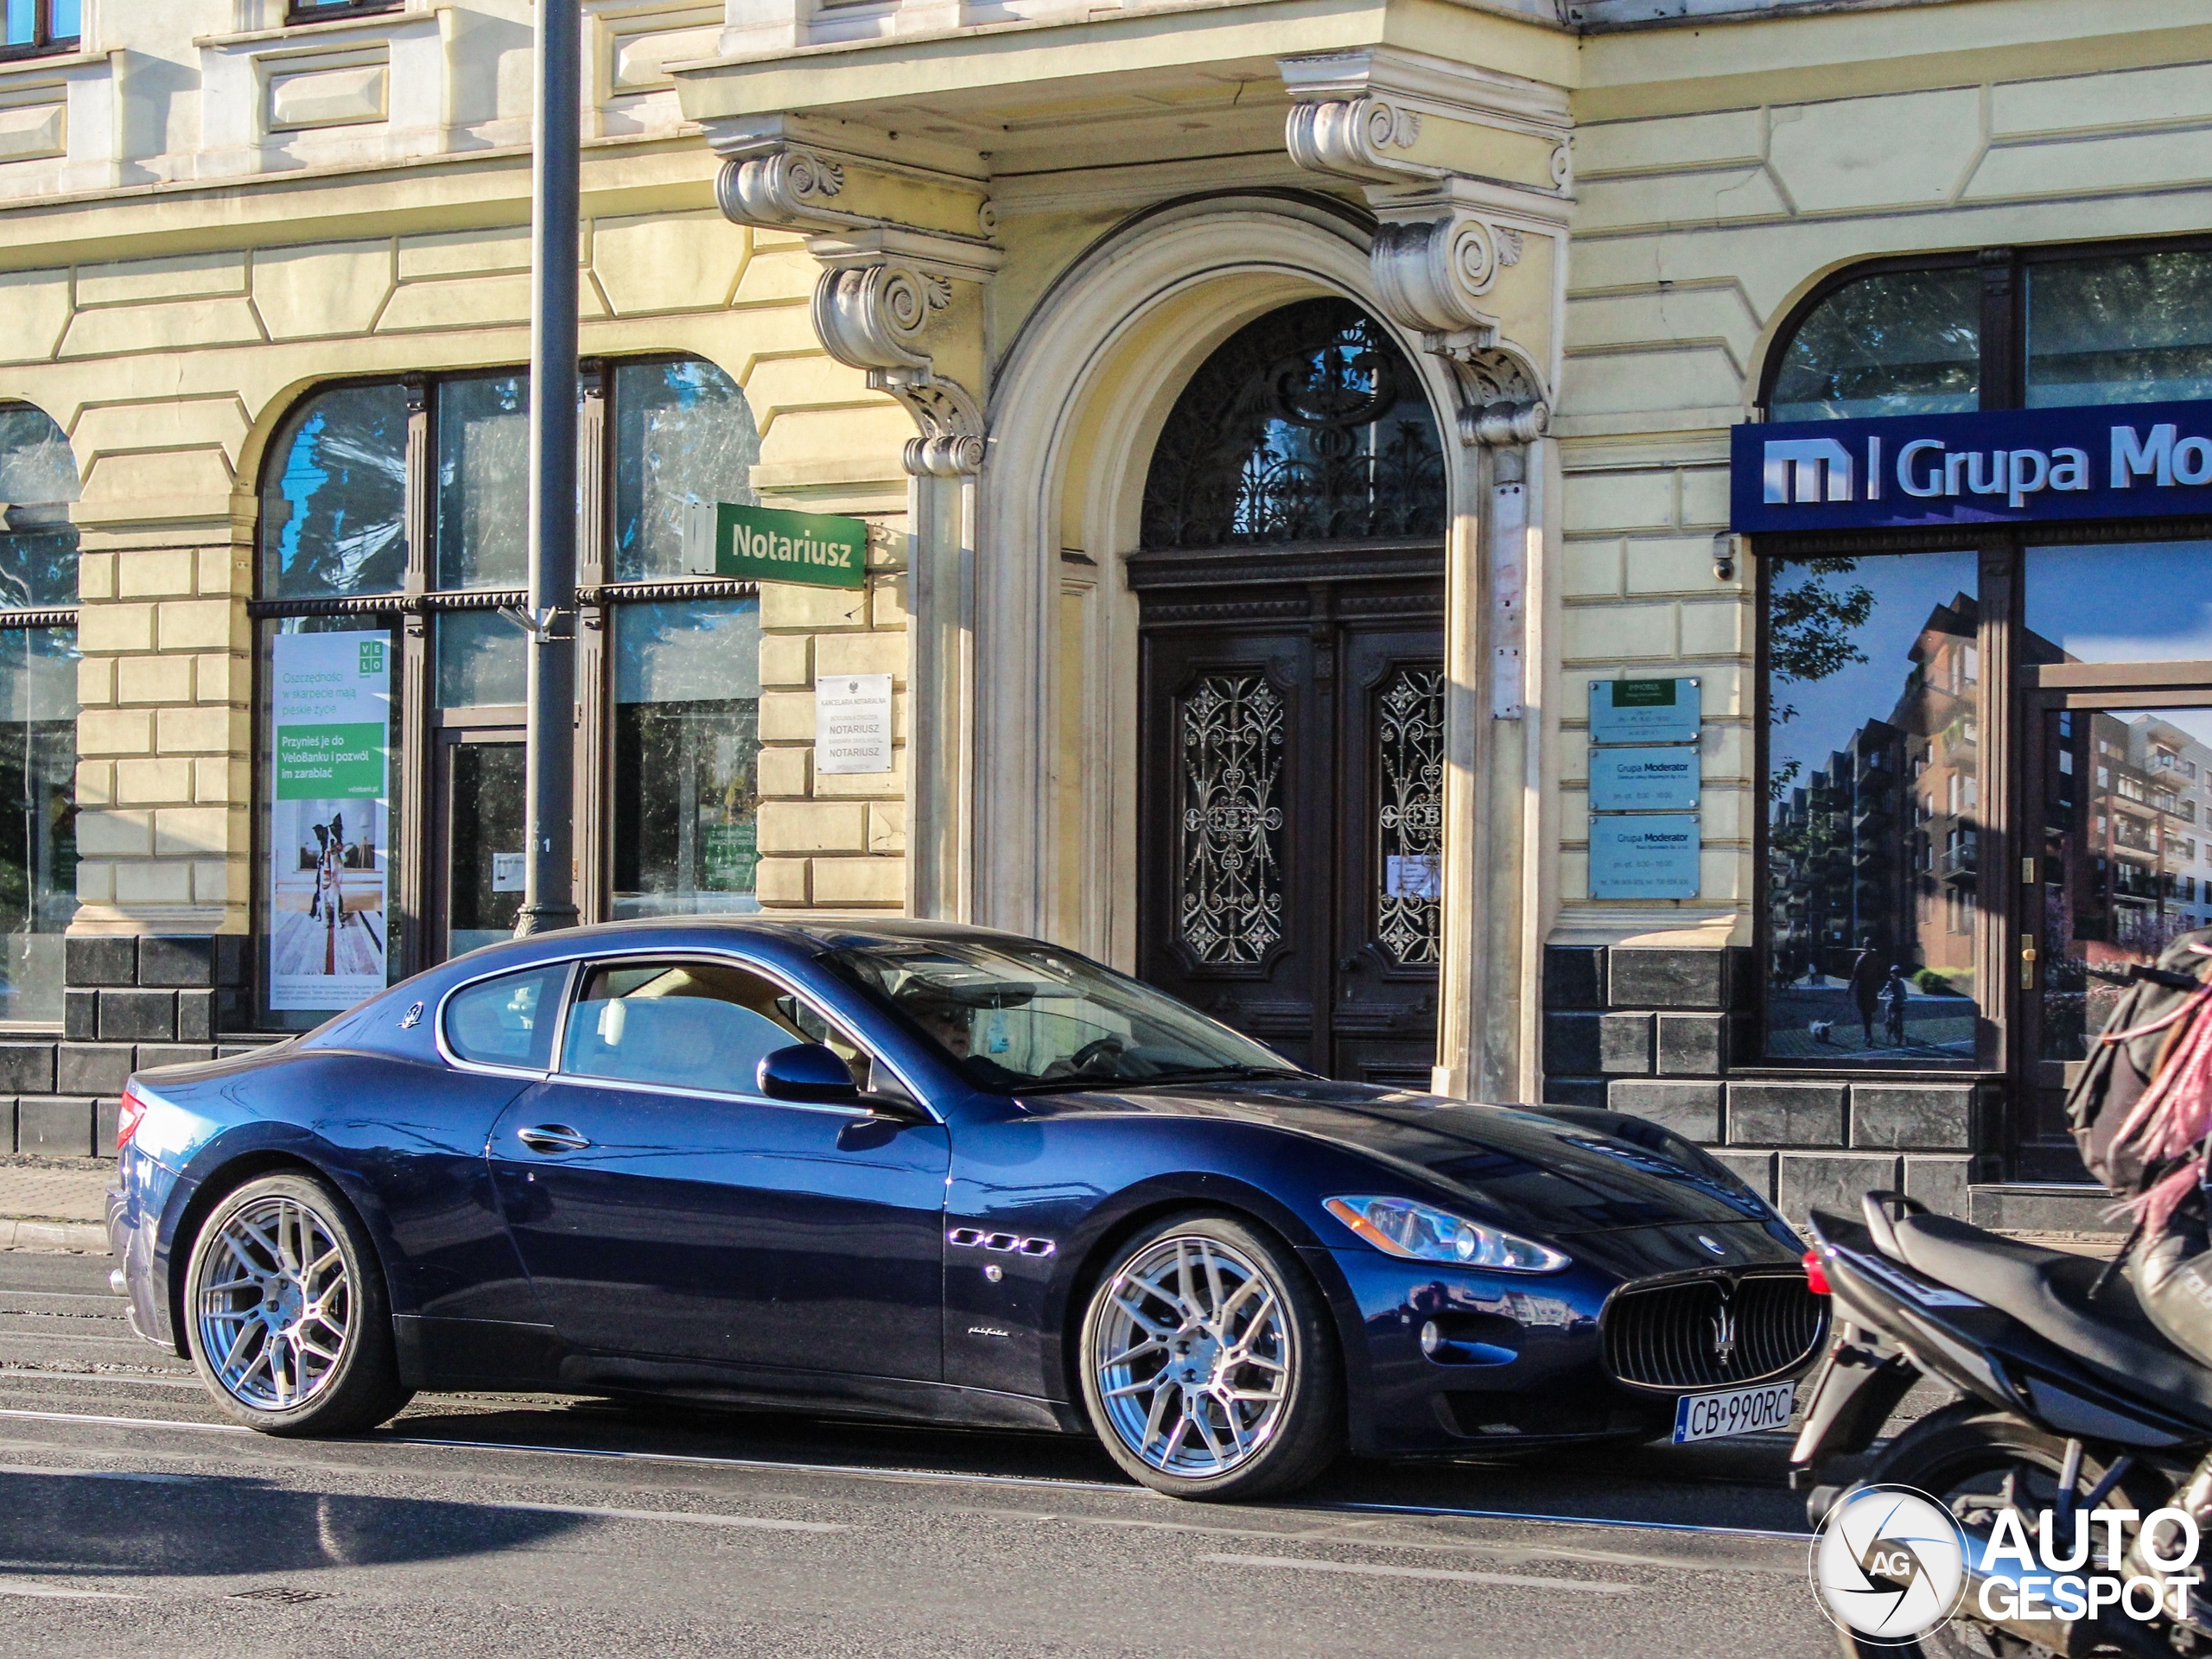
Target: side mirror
807, 1071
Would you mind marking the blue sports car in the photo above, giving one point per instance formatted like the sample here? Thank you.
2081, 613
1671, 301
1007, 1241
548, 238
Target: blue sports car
914, 1170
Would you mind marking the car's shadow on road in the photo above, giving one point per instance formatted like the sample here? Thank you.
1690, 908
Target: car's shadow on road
169, 1526
1740, 1483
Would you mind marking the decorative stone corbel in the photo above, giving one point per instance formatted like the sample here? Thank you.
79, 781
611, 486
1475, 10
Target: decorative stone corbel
872, 316
882, 284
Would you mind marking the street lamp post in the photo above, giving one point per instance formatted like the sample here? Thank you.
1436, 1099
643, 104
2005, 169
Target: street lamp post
548, 895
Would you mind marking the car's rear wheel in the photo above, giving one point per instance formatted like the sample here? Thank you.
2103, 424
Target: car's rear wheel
284, 1304
1209, 1367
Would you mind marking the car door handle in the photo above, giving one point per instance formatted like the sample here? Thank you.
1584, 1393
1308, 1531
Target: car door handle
551, 1137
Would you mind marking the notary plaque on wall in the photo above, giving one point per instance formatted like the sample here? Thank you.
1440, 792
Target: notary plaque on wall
1645, 780
1644, 855
1643, 711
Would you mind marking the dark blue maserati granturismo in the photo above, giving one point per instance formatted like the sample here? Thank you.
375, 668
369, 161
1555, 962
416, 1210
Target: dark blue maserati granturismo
915, 1170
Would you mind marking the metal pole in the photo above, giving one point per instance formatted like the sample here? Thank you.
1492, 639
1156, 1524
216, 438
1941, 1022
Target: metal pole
549, 896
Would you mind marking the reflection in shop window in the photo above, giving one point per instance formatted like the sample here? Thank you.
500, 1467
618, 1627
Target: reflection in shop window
38, 816
682, 434
334, 501
1873, 804
484, 481
1899, 343
2136, 328
687, 698
483, 660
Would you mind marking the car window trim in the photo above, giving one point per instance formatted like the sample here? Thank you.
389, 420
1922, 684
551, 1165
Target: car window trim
589, 959
446, 1051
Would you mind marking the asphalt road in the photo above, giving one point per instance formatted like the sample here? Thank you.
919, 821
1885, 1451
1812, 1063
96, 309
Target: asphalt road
133, 1522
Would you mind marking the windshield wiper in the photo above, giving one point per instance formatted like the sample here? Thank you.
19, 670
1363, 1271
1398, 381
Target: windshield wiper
1220, 1074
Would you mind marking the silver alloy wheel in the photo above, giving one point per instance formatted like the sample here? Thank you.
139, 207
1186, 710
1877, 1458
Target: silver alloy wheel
274, 1304
1193, 1356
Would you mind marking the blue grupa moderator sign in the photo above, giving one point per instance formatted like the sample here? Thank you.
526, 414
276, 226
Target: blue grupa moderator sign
2019, 466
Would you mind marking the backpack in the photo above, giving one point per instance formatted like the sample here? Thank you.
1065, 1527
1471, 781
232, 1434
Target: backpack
2162, 1006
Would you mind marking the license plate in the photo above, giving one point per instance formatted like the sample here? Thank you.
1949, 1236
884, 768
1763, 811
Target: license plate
1739, 1411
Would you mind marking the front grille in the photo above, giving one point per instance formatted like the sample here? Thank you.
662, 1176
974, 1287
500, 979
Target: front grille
1710, 1333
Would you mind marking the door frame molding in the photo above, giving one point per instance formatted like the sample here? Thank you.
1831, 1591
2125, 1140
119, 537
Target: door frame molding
1078, 405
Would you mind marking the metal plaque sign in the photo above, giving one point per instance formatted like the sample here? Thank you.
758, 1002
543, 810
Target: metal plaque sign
852, 724
768, 544
1996, 466
1645, 856
1645, 780
1643, 711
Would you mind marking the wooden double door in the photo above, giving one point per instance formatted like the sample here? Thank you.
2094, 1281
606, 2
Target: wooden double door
1290, 798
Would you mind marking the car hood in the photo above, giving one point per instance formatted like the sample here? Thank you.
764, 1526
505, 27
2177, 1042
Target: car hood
1562, 1172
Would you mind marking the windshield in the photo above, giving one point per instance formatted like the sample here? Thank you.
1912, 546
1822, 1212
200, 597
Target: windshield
1018, 1016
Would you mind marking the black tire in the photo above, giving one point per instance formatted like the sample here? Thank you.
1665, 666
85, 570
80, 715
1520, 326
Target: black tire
1296, 1432
1956, 1452
360, 1386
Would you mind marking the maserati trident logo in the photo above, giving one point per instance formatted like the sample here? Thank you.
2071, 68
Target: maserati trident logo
1723, 1325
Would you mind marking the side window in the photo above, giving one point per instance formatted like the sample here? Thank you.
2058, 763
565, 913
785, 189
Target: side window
508, 1021
689, 1025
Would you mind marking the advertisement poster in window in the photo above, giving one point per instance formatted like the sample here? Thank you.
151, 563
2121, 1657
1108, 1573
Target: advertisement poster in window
329, 832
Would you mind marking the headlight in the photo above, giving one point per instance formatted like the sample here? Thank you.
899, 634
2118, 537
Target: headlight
1421, 1233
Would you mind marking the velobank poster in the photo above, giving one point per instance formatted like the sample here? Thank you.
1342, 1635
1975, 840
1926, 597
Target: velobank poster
327, 860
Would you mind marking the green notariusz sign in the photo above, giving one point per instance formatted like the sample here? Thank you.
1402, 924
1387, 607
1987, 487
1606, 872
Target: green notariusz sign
768, 544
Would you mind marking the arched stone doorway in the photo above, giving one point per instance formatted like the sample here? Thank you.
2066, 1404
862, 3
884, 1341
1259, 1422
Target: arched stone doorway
1290, 582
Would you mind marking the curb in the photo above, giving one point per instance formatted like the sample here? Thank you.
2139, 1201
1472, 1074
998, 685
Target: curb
73, 1237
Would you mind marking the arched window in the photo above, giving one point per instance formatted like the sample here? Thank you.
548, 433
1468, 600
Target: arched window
1308, 425
334, 499
38, 713
1903, 342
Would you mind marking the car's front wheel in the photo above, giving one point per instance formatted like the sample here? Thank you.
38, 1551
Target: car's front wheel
1209, 1367
288, 1324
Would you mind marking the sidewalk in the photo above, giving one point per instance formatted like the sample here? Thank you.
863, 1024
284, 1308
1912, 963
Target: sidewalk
53, 1203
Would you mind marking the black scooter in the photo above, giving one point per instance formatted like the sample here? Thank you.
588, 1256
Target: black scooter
2071, 1400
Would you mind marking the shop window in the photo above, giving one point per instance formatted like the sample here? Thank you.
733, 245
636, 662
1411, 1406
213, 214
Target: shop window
1860, 971
1306, 425
37, 26
2134, 329
1895, 343
687, 701
683, 433
38, 713
2095, 604
368, 875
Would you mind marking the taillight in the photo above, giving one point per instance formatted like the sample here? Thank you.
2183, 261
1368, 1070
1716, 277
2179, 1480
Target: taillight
132, 1114
1816, 1278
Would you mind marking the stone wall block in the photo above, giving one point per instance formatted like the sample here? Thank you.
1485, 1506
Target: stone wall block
1624, 1044
137, 1016
1831, 1182
150, 1055
176, 961
1575, 1091
1940, 1183
7, 1124
107, 1116
60, 1126
1690, 1109
196, 1015
80, 1014
1754, 1169
1785, 1114
1574, 976
1921, 1117
1693, 1044
92, 1068
1570, 1044
233, 957
99, 960
27, 1068
1642, 977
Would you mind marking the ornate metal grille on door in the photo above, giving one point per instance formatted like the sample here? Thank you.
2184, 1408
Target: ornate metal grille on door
1230, 908
1409, 817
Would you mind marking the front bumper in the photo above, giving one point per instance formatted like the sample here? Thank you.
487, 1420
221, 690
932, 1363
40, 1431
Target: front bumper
1519, 1361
